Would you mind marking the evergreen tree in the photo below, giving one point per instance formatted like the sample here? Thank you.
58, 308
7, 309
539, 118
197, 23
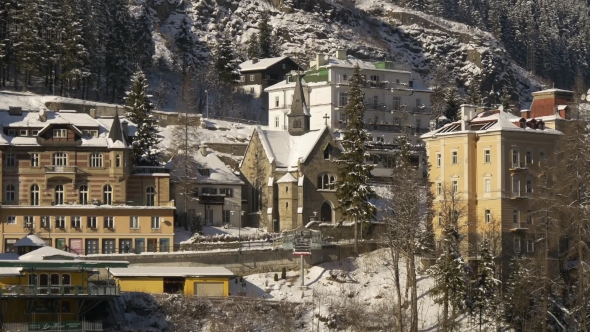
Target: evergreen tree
474, 94
118, 55
145, 145
26, 42
225, 62
354, 193
185, 45
484, 301
254, 47
453, 105
517, 309
72, 51
265, 36
505, 99
144, 46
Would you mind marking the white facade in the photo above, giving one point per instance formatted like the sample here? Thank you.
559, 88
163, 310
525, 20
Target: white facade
388, 94
253, 89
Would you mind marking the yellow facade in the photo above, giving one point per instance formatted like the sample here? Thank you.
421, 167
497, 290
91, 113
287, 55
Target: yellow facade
156, 284
496, 171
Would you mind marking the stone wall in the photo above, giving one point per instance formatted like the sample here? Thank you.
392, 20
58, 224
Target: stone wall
335, 232
236, 149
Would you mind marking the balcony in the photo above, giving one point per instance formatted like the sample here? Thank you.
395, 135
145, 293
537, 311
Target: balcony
60, 172
53, 291
149, 170
211, 199
519, 195
519, 227
518, 166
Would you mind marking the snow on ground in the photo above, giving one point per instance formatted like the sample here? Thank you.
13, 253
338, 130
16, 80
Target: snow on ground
182, 236
217, 131
366, 281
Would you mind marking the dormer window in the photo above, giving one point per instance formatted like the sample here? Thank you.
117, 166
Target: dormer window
289, 79
24, 132
34, 132
204, 171
11, 132
60, 133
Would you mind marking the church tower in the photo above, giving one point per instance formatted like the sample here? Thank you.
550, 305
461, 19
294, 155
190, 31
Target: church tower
299, 115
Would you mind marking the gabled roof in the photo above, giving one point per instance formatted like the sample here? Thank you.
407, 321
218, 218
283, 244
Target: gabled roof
219, 172
30, 240
287, 178
46, 253
261, 64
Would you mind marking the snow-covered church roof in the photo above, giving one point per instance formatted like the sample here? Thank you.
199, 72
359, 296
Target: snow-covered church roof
218, 171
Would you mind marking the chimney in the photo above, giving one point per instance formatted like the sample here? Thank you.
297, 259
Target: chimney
203, 149
468, 112
15, 110
254, 60
320, 59
125, 129
341, 54
92, 113
42, 115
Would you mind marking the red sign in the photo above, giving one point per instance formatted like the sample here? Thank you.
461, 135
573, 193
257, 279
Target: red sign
301, 253
76, 246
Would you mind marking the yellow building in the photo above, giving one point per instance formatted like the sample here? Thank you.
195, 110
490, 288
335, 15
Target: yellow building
68, 177
492, 160
45, 286
200, 281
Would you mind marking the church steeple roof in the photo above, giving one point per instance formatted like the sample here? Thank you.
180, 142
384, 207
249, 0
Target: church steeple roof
116, 133
299, 106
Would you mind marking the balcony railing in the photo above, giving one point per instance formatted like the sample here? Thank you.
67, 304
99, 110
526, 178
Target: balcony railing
518, 166
150, 170
63, 290
211, 199
61, 169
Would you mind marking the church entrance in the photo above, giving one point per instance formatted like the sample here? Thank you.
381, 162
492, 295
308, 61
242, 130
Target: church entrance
326, 212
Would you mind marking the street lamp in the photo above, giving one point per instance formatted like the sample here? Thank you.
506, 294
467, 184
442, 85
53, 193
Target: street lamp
207, 98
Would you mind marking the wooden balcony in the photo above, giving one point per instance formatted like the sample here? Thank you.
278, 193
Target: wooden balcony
28, 291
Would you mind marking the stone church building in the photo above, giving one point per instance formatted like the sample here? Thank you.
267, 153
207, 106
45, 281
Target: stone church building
291, 175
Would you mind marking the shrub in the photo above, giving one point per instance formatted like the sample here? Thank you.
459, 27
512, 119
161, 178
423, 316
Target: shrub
276, 277
284, 273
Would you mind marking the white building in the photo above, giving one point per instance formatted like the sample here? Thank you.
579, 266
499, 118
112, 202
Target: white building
215, 192
389, 93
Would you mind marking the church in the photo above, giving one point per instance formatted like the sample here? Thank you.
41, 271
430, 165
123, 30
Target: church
291, 175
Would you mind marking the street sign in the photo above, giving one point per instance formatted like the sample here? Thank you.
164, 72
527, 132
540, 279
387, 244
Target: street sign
302, 242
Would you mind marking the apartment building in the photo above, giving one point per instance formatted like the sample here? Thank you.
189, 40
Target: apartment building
67, 177
257, 74
493, 160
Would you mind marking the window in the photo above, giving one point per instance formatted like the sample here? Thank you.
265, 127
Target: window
34, 132
91, 222
418, 103
375, 101
109, 222
439, 189
517, 244
11, 220
515, 186
515, 158
46, 222
107, 195
541, 155
59, 194
487, 185
209, 191
96, 160
283, 66
134, 222
455, 186
227, 192
487, 157
118, 161
60, 133
251, 78
396, 121
23, 132
276, 121
276, 101
440, 218
488, 216
286, 205
60, 159
515, 216
326, 182
75, 222
60, 222
204, 171
327, 152
10, 159
29, 222
454, 157
226, 216
438, 160
34, 160
395, 104
84, 194
374, 78
286, 189
528, 157
242, 78
530, 245
11, 132
93, 133
155, 222
34, 194
10, 193
343, 99
150, 196
529, 186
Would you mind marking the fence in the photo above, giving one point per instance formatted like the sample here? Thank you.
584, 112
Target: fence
27, 290
70, 326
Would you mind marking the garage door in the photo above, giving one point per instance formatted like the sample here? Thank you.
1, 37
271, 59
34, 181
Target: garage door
209, 289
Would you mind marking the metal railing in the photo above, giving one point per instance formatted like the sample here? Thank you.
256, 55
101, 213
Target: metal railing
28, 290
60, 169
52, 326
149, 170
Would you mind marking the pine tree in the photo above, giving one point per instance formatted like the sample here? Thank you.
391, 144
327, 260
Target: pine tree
254, 47
518, 297
484, 301
26, 42
225, 62
453, 106
474, 94
185, 47
354, 193
72, 53
505, 99
145, 145
118, 55
264, 36
144, 46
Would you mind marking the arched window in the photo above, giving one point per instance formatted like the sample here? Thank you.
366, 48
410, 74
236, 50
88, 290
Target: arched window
150, 196
34, 194
60, 159
326, 182
84, 194
327, 152
10, 193
59, 194
107, 195
118, 161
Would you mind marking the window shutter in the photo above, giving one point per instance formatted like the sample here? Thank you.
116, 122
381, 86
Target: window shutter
88, 222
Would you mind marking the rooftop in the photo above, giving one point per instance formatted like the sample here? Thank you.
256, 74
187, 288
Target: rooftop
160, 271
260, 64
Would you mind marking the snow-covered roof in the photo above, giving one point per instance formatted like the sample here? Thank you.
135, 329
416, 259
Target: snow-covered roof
285, 149
45, 253
552, 90
10, 271
219, 172
164, 271
261, 64
287, 178
30, 240
351, 62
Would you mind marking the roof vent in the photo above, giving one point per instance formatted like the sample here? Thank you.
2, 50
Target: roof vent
15, 110
341, 54
254, 60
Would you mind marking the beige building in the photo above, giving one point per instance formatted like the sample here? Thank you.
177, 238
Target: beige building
492, 159
67, 177
291, 175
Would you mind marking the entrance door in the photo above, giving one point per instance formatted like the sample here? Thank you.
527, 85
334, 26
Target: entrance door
210, 217
208, 289
139, 246
326, 212
91, 246
60, 244
125, 246
152, 245
108, 246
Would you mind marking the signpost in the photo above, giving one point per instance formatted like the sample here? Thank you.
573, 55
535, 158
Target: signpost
302, 242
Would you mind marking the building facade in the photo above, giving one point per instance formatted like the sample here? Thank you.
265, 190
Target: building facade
491, 160
258, 74
68, 178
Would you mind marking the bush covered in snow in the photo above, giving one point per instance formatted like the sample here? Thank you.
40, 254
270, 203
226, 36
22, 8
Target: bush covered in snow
197, 238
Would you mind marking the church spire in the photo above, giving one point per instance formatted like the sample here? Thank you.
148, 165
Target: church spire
116, 133
299, 114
